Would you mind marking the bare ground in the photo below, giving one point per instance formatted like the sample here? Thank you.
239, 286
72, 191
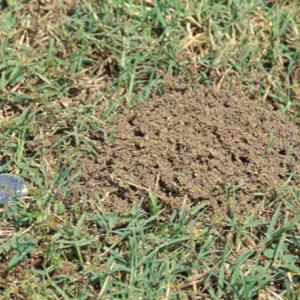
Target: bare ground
193, 146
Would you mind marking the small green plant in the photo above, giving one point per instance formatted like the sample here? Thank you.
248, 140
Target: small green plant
153, 205
271, 141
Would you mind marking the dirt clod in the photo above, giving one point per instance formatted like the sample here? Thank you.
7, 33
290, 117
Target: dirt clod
195, 146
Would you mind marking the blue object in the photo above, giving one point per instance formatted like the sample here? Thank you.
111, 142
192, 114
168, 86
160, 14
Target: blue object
11, 186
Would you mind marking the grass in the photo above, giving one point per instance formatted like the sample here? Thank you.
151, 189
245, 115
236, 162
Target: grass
66, 68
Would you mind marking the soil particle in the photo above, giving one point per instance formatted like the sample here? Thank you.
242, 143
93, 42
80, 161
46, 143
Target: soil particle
194, 146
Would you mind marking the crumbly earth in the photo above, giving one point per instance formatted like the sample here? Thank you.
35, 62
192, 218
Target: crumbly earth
194, 146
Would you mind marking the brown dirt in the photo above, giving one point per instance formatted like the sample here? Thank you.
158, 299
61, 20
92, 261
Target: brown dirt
190, 146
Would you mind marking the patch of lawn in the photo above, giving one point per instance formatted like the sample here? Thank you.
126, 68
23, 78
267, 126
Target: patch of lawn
66, 67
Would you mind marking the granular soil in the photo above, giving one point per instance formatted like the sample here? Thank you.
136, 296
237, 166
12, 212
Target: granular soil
193, 146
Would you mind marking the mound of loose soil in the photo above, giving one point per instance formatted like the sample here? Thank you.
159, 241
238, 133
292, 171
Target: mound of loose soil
194, 146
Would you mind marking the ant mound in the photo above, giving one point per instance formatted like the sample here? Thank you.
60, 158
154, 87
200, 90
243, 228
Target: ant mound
195, 146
